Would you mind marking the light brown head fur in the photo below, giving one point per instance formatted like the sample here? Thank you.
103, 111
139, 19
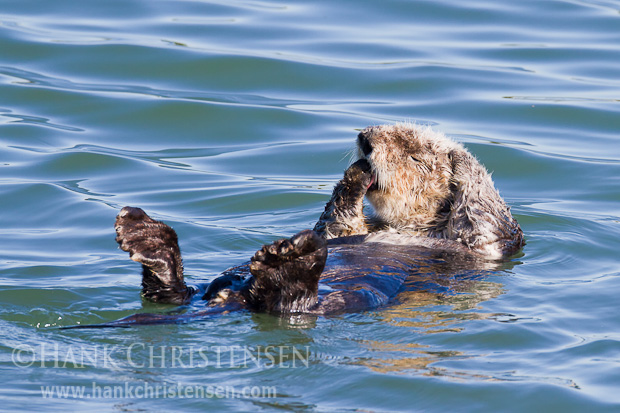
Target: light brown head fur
427, 184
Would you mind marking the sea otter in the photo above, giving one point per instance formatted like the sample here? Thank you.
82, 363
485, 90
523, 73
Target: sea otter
434, 205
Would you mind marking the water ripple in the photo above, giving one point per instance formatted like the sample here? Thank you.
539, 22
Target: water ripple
230, 120
36, 120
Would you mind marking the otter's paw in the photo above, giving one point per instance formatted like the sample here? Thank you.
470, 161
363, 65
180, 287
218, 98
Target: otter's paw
286, 273
359, 176
155, 245
344, 213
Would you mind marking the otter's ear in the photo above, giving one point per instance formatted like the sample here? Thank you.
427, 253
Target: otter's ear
461, 188
462, 165
454, 159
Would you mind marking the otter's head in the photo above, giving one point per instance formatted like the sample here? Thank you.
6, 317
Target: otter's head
412, 169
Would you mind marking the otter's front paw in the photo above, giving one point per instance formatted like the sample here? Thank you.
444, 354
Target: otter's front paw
359, 177
155, 245
286, 273
344, 213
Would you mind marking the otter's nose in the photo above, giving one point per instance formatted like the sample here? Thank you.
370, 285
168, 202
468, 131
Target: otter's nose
364, 144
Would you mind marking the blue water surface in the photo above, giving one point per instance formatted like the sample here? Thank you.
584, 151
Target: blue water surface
231, 121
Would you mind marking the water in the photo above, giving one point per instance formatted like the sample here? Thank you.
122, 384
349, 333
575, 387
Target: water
231, 121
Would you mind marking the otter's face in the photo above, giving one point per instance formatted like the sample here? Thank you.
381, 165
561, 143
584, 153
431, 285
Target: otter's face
411, 167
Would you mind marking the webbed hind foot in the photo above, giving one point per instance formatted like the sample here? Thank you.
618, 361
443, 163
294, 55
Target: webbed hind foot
155, 245
286, 274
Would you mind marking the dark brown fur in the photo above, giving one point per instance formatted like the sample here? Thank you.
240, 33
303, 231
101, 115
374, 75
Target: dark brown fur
429, 193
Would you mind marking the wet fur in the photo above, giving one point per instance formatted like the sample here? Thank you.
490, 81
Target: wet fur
428, 194
429, 185
344, 215
155, 245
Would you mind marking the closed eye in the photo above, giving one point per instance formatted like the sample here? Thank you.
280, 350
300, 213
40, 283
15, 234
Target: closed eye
415, 159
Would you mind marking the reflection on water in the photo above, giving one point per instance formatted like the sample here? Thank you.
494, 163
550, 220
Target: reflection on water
429, 312
232, 120
506, 376
412, 357
267, 322
446, 307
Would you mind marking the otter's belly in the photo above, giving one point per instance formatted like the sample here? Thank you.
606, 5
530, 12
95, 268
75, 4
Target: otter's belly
367, 274
379, 269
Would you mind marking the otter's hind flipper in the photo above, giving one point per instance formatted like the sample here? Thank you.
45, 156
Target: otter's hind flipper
155, 245
286, 274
